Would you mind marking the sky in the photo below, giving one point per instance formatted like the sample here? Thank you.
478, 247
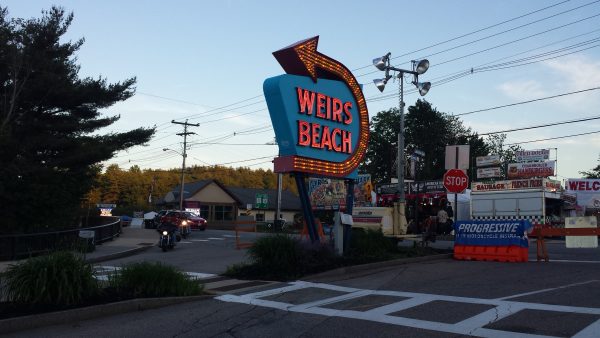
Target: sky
206, 61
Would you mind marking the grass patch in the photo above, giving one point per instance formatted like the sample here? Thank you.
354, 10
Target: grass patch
144, 280
63, 280
58, 280
282, 257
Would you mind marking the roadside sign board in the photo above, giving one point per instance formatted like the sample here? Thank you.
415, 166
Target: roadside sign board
456, 181
482, 161
261, 201
457, 157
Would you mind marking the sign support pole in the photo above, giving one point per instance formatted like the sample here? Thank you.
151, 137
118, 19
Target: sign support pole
309, 218
349, 207
455, 211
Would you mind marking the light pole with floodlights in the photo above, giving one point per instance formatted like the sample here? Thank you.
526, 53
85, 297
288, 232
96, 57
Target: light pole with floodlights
418, 68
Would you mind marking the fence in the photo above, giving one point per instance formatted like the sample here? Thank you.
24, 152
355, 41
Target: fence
26, 245
243, 226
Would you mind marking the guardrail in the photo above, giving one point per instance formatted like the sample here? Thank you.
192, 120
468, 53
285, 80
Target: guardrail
540, 231
26, 245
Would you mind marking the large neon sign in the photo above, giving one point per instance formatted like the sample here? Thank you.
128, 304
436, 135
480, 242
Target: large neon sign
318, 112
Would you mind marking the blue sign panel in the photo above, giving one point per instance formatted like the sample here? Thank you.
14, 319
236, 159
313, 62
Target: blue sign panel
492, 233
315, 120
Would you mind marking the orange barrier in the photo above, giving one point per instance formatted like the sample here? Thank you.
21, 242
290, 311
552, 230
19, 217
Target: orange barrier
320, 231
540, 231
243, 226
511, 253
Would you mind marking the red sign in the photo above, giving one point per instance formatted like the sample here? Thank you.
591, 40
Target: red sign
456, 181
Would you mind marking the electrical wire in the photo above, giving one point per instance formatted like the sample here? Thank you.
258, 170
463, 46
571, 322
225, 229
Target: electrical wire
542, 126
528, 101
553, 138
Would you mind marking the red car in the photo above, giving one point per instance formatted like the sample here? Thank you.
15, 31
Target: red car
185, 218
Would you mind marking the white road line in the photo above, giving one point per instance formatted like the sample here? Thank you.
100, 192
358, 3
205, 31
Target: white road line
567, 261
549, 289
184, 242
469, 326
217, 238
200, 275
231, 236
199, 240
589, 332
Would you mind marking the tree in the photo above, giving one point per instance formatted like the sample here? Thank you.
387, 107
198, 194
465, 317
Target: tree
50, 119
507, 155
426, 129
383, 140
594, 173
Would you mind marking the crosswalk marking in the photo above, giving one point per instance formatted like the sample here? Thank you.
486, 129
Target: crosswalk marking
473, 326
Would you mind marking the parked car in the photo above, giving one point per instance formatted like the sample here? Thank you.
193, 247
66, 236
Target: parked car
178, 217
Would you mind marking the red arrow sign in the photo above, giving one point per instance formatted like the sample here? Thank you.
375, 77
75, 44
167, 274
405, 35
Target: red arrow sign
456, 181
303, 59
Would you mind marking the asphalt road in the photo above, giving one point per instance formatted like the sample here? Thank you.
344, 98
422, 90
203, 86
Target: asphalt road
443, 298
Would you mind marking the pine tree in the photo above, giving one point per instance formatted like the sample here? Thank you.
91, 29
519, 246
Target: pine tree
50, 120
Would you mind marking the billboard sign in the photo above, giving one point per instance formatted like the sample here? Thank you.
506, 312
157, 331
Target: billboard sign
483, 161
532, 155
533, 169
318, 112
586, 190
330, 194
488, 172
533, 183
492, 233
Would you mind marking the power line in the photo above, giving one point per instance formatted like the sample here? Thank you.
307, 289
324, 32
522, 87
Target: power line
528, 101
248, 160
471, 33
542, 125
553, 138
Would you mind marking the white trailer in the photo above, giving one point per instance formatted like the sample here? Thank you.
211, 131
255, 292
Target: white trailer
528, 199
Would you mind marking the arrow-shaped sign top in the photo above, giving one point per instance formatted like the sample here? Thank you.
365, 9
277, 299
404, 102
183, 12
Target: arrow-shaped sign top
302, 58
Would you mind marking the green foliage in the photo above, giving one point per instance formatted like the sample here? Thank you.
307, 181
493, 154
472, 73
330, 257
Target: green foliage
507, 152
370, 246
153, 280
59, 280
129, 189
282, 257
426, 129
594, 173
50, 122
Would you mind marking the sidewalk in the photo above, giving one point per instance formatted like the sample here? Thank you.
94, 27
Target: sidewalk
128, 243
131, 241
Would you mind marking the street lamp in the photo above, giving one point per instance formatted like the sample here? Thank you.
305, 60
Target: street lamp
418, 68
184, 155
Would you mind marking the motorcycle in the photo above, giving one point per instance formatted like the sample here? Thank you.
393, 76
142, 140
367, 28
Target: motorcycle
167, 237
185, 229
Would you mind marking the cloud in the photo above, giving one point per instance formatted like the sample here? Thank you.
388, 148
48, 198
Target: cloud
522, 90
577, 71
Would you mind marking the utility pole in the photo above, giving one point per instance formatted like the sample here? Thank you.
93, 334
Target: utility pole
184, 155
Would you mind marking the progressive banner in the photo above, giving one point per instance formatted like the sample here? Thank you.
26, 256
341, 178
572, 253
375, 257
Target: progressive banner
492, 233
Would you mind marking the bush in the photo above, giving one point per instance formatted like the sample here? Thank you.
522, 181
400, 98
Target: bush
282, 257
369, 246
60, 279
153, 280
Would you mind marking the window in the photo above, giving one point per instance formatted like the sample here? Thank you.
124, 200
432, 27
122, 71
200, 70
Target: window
204, 211
223, 212
260, 217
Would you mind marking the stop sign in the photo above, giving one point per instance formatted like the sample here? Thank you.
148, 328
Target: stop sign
455, 181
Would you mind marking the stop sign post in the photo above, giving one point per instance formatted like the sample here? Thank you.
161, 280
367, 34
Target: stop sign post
456, 181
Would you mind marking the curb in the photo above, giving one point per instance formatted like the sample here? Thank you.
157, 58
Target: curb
357, 270
121, 254
79, 314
